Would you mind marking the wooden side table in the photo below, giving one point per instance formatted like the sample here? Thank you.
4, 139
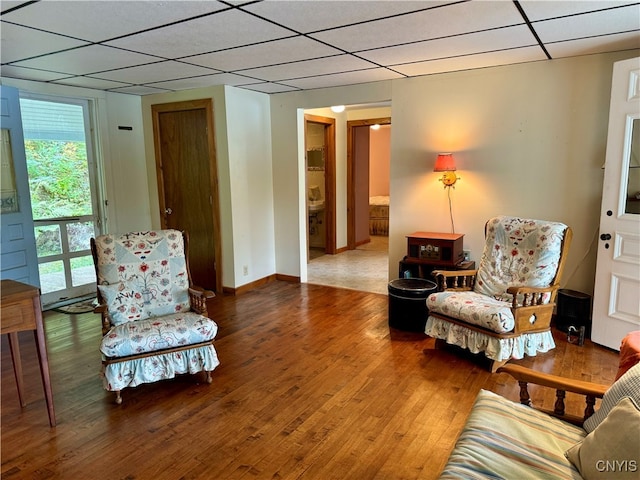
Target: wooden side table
21, 311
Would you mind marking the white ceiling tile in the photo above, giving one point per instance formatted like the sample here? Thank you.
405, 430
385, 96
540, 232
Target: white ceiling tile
88, 82
85, 60
29, 73
588, 46
539, 10
589, 24
139, 90
312, 16
269, 87
257, 44
321, 66
216, 32
436, 23
203, 81
101, 20
347, 78
155, 72
20, 42
263, 54
506, 57
490, 40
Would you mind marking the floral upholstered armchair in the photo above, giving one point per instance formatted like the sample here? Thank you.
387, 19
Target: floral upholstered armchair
504, 308
154, 321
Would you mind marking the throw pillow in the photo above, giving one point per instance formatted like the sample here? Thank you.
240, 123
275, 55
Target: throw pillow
612, 450
626, 386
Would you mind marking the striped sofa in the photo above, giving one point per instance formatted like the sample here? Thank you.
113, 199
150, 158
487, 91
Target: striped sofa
504, 439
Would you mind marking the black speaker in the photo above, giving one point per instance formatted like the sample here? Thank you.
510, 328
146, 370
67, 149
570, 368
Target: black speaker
573, 309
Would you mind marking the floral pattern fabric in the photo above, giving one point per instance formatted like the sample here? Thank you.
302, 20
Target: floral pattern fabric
494, 348
474, 308
131, 373
142, 274
519, 252
159, 333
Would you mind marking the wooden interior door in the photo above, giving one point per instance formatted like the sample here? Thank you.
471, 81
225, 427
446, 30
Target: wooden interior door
187, 182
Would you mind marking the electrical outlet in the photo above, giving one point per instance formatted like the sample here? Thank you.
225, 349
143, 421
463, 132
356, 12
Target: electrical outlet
245, 270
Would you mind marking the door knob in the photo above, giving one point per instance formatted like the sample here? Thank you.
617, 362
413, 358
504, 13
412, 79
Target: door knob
168, 211
605, 236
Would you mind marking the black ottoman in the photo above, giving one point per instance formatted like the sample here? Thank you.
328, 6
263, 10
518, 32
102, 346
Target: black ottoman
408, 303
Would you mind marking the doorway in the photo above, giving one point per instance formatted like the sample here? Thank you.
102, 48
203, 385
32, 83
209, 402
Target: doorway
361, 265
64, 195
320, 184
359, 179
187, 172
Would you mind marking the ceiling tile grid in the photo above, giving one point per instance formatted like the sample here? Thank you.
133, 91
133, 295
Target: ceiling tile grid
144, 47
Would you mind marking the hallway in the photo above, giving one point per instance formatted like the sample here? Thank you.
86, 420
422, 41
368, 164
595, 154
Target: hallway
364, 269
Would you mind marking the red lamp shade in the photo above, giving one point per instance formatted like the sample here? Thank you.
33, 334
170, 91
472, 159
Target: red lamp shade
445, 163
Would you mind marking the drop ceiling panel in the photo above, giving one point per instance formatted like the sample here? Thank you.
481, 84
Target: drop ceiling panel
308, 68
88, 82
203, 81
215, 32
588, 46
504, 38
588, 25
313, 16
347, 78
274, 46
139, 90
159, 71
541, 10
13, 71
91, 59
102, 20
504, 57
21, 42
425, 25
269, 87
264, 54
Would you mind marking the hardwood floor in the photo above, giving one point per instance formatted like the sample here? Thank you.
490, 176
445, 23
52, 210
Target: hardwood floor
312, 384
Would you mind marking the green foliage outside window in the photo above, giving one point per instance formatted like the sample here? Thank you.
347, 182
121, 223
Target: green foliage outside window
58, 178
59, 187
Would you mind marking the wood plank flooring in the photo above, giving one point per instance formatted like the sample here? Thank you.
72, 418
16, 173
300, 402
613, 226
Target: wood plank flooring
312, 384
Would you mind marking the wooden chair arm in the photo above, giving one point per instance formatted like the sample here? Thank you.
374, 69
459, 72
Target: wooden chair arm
590, 390
198, 297
100, 308
530, 296
455, 280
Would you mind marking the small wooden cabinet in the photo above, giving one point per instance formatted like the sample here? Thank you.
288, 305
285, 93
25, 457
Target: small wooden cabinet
428, 251
435, 248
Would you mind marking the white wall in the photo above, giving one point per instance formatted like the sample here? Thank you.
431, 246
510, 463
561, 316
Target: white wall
251, 181
126, 170
529, 140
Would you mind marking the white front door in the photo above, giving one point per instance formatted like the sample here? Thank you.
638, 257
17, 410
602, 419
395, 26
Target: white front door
616, 304
63, 188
